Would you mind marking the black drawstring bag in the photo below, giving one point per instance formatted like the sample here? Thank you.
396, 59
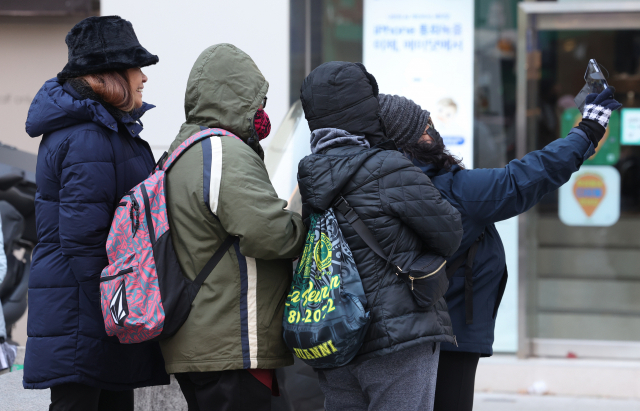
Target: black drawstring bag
324, 319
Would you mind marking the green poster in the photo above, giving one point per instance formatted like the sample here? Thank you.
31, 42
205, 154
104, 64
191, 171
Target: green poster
608, 151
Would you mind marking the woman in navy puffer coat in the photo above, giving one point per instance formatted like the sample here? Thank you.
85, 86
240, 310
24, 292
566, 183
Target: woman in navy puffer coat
484, 197
90, 155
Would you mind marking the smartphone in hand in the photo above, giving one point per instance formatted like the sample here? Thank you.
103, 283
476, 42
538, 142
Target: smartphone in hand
595, 83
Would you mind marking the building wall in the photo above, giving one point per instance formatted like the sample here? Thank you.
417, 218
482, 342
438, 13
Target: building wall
33, 51
178, 34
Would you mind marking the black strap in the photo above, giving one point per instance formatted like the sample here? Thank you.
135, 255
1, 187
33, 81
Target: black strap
147, 212
160, 163
469, 256
468, 282
361, 229
213, 261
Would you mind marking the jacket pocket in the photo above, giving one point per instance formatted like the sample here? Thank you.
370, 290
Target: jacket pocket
273, 311
427, 279
280, 291
118, 295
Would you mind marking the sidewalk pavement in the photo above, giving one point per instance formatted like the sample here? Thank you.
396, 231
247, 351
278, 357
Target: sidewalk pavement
14, 398
518, 402
576, 378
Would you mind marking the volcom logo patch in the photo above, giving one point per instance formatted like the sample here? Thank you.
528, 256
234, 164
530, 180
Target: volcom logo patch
118, 306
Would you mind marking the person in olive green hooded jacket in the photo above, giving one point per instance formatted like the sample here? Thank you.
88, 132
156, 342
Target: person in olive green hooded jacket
226, 351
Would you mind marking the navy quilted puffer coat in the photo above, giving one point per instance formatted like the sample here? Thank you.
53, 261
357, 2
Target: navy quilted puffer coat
396, 201
484, 197
86, 161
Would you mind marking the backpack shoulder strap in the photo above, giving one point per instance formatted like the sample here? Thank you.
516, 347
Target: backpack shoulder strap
190, 142
214, 260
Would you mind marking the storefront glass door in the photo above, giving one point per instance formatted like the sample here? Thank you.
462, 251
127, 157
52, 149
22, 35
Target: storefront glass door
581, 244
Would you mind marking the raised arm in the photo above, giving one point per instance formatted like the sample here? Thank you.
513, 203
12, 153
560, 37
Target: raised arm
491, 195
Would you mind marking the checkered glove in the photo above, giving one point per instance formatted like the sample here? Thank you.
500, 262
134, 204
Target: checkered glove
598, 107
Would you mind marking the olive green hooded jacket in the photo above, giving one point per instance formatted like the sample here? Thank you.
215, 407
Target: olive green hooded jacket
220, 187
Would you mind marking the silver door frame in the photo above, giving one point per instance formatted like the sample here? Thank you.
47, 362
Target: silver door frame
534, 16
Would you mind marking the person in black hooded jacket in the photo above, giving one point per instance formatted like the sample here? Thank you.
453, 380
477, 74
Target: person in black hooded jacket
397, 363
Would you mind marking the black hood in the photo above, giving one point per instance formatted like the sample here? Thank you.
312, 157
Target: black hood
343, 95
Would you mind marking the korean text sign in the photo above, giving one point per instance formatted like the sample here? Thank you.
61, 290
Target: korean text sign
423, 50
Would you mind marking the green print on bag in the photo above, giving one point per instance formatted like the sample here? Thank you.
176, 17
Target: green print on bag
311, 298
310, 295
322, 253
324, 308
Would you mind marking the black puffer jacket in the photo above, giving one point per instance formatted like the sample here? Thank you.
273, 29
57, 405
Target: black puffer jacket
393, 198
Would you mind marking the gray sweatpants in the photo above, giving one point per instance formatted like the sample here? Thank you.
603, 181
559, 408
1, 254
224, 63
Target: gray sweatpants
405, 380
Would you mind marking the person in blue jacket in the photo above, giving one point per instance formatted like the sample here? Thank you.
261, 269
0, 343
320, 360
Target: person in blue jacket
91, 153
484, 197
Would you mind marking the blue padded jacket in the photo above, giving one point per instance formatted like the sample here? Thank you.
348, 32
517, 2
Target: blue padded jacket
86, 161
484, 197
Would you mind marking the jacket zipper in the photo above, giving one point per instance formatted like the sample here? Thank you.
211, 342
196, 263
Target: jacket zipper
455, 341
121, 272
425, 276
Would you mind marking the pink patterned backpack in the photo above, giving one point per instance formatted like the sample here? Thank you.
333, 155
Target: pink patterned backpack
144, 295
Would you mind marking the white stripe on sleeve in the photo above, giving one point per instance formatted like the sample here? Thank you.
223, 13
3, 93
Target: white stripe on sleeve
216, 173
252, 310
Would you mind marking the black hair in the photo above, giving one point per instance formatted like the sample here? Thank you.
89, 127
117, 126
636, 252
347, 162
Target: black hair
432, 153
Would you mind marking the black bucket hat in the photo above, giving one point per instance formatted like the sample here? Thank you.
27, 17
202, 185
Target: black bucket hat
99, 44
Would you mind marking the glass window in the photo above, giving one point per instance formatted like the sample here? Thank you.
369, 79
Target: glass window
321, 31
328, 30
495, 82
587, 278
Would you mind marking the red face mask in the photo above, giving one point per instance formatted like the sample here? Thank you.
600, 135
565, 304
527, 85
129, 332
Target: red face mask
262, 124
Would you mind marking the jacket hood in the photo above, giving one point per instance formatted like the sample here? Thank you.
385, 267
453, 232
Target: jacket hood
57, 106
343, 95
321, 177
224, 90
325, 138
